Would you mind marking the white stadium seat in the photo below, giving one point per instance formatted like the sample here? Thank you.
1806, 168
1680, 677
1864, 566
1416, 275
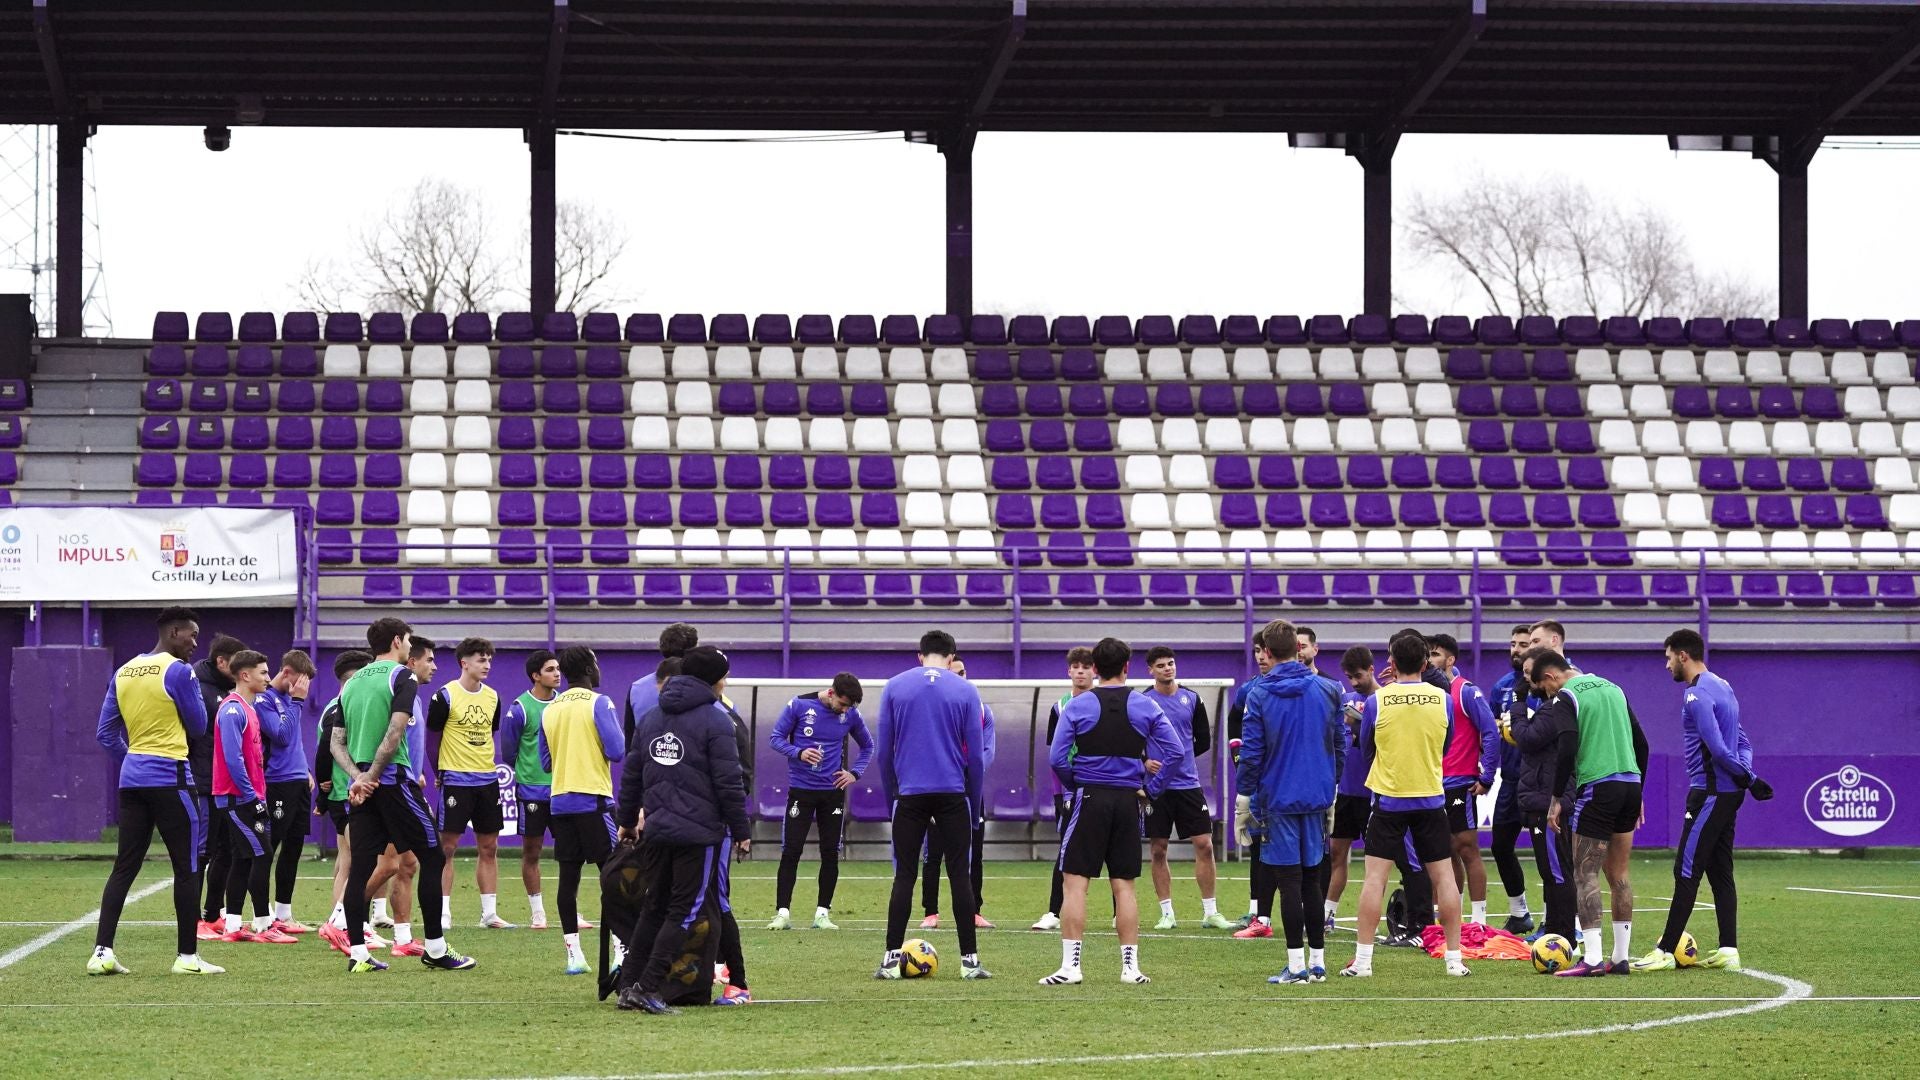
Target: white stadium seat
732, 363
385, 362
1764, 367
693, 433
1593, 365
966, 472
650, 433
1423, 364
1433, 399
427, 432
472, 547
1311, 435
957, 436
883, 547
701, 547
1194, 510
1807, 368
1337, 364
472, 433
1119, 365
1892, 369
471, 362
1135, 434
950, 366
827, 435
819, 363
968, 510
956, 399
1850, 369
647, 398
1635, 366
913, 435
1722, 367
924, 510
1606, 400
930, 547
427, 396
1149, 510
1223, 435
426, 470
1379, 364
340, 362
693, 399
689, 362
1443, 436
782, 435
472, 506
1207, 364
1648, 401
426, 507
643, 362
1251, 364
1166, 364
1660, 437
425, 547
473, 470
1673, 473
1654, 547
1266, 434
797, 545
872, 435
1179, 433
907, 363
1203, 547
1293, 364
977, 548
1142, 472
742, 434
472, 396
1679, 366
863, 364
747, 547
1188, 472
777, 363
1390, 399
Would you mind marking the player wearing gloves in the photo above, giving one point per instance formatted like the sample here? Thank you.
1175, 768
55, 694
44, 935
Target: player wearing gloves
1719, 776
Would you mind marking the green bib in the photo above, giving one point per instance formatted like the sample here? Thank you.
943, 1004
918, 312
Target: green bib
526, 763
1606, 734
338, 793
367, 708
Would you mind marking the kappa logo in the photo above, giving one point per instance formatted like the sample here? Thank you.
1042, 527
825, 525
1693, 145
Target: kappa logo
260, 826
279, 811
533, 808
793, 810
666, 750
451, 800
837, 811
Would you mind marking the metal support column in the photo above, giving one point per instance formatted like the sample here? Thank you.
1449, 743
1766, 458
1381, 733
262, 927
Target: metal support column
70, 298
540, 291
957, 148
1793, 238
1376, 243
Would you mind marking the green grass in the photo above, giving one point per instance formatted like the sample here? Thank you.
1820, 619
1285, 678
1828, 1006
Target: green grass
290, 1010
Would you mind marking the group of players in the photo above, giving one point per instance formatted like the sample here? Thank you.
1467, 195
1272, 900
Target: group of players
1398, 759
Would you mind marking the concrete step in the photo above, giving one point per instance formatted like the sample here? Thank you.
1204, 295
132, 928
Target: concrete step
70, 362
83, 433
90, 475
54, 397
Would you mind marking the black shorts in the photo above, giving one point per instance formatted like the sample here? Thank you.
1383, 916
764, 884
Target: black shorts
1104, 831
337, 813
1184, 810
394, 814
536, 816
289, 805
1606, 808
1350, 816
584, 838
475, 804
1463, 809
1393, 834
247, 824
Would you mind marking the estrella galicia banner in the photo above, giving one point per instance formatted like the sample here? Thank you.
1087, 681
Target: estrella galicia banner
177, 554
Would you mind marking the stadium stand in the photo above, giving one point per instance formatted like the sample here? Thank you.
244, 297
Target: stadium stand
1102, 461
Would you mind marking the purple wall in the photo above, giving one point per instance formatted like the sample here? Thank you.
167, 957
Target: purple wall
1802, 730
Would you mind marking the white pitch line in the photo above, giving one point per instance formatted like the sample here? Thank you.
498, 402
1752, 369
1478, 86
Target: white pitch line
1855, 892
1792, 990
80, 923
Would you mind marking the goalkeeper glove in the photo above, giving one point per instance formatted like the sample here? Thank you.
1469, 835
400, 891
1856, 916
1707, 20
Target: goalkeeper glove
1762, 791
1243, 820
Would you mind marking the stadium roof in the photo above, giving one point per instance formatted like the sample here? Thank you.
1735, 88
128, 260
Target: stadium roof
1748, 67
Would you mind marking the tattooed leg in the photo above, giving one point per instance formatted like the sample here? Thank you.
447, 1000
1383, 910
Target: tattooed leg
1589, 855
1619, 858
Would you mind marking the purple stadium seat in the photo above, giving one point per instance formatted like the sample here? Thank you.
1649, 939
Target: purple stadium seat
1044, 399
1499, 330
1499, 474
870, 399
514, 326
559, 433
1708, 333
1058, 512
1507, 510
159, 433
517, 433
557, 397
1371, 330
385, 397
1820, 403
1622, 330
380, 588
730, 329
1806, 590
1507, 365
1453, 330
1239, 511
428, 328
380, 508
298, 362
207, 396
1487, 437
1820, 512
1718, 474
826, 399
1552, 512
1865, 512
900, 330
1418, 510
1168, 589
877, 473
741, 472
1692, 402
879, 510
831, 472
1875, 334
1477, 400
1055, 473
1283, 511
1154, 330
1347, 399
339, 433
1774, 512
1530, 437
386, 328
1463, 511
258, 326
1410, 471
1216, 399
1750, 333
1736, 402
1328, 330
334, 508
1670, 590
1303, 399
1581, 330
642, 328
858, 330
210, 361
1013, 512
1241, 330
1027, 330
1665, 332
1113, 330
1112, 549
1328, 510
1233, 473
1072, 330
1199, 330
167, 361
1573, 437
1730, 512
687, 329
1352, 589
1366, 471
343, 327
1806, 474
301, 326
1321, 471
1306, 590
1832, 334
1035, 365
1066, 549
1760, 590
813, 330
1597, 511
338, 396
999, 399
206, 433
474, 588
1850, 474
1277, 474
201, 471
253, 362
1517, 548
1372, 510
1454, 471
1079, 365
1104, 512
1761, 474
1285, 330
1091, 436
1791, 333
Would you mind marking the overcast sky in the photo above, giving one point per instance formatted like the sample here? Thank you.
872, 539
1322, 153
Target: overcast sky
1089, 224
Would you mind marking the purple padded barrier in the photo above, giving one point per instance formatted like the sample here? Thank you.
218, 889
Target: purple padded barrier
63, 783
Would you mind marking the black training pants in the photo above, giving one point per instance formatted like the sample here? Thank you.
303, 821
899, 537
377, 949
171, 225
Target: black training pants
1303, 897
930, 874
215, 861
805, 809
175, 814
1706, 848
1553, 857
914, 817
1513, 876
681, 879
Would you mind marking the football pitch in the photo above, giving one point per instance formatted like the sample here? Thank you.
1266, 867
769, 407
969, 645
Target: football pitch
1829, 990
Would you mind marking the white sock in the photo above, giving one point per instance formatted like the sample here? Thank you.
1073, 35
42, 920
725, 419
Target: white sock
283, 912
572, 942
1296, 959
436, 947
1590, 946
891, 956
446, 910
971, 959
339, 916
1622, 940
402, 933
818, 912
1517, 905
1129, 958
1253, 907
1209, 907
1453, 956
1479, 911
261, 922
1069, 954
189, 957
1264, 920
1363, 956
101, 950
358, 952
538, 905
1166, 909
1333, 908
1317, 958
231, 922
379, 909
487, 902
785, 914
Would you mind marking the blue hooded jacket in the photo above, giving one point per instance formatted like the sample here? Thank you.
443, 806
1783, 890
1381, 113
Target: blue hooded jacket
1292, 743
684, 768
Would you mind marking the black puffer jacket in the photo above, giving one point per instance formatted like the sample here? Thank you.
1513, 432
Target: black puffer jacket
684, 768
213, 687
1538, 737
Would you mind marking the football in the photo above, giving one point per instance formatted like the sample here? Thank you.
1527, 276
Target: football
1551, 953
918, 960
1687, 952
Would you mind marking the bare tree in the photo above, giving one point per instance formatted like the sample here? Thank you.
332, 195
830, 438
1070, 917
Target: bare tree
1553, 248
433, 250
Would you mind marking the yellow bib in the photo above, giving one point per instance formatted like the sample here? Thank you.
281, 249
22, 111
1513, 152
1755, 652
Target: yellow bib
579, 761
467, 743
1409, 738
152, 719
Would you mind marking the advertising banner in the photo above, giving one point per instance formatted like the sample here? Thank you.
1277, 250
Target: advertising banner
175, 555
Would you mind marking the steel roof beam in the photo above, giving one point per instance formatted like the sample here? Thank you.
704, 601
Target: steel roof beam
1800, 141
50, 59
1004, 46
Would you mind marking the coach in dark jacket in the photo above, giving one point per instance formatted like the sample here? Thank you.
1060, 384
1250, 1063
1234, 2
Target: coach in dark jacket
215, 684
684, 771
1536, 726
